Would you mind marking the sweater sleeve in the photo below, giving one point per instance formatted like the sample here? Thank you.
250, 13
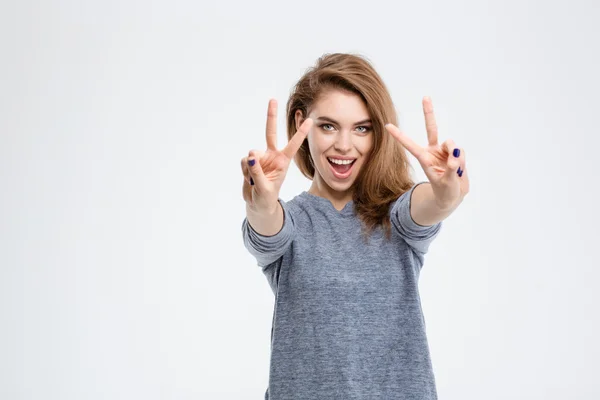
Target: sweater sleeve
418, 237
268, 249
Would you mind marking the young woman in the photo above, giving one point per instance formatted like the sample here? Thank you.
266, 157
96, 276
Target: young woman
343, 258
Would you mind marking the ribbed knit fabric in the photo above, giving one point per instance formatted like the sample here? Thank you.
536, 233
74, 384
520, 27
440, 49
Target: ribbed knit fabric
348, 322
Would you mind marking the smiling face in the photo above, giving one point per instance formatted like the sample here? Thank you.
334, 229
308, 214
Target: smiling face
341, 133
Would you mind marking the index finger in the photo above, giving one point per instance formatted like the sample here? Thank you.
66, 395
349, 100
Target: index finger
296, 141
407, 142
430, 124
272, 125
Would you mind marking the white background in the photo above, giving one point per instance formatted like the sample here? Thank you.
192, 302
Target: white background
122, 124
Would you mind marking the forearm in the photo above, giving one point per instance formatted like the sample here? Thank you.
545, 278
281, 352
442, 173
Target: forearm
266, 222
424, 209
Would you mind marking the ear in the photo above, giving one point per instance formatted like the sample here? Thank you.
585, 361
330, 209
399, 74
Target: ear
299, 118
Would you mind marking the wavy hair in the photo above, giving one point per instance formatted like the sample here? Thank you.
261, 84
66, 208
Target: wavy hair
385, 175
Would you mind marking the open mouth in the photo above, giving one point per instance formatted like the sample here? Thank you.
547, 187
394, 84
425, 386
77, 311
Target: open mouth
341, 169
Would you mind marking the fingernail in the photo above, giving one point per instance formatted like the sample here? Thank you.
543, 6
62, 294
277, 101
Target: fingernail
251, 181
460, 174
456, 153
251, 162
459, 171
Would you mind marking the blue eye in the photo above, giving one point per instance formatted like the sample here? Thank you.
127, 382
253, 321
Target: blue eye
365, 128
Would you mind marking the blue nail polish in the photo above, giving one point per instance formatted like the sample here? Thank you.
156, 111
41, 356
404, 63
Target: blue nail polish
251, 162
460, 174
251, 181
459, 171
456, 153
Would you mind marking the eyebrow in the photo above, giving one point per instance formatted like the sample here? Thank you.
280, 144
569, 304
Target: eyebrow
324, 118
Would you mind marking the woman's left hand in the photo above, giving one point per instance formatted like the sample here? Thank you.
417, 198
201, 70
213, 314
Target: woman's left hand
444, 164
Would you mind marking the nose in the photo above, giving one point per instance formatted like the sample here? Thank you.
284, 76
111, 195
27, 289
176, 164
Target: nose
343, 141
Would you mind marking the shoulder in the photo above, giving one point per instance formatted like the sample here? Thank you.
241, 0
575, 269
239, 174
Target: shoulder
307, 212
297, 205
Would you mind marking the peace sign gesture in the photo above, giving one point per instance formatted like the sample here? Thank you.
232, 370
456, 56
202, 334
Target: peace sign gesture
264, 172
443, 164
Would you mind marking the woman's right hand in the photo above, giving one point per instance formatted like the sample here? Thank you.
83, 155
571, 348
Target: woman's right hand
263, 179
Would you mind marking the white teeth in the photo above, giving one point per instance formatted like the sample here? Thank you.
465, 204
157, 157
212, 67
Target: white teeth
341, 162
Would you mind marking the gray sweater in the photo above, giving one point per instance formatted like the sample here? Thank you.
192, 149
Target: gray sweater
347, 322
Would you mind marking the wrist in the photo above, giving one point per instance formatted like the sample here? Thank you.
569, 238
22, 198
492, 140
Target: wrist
266, 210
445, 206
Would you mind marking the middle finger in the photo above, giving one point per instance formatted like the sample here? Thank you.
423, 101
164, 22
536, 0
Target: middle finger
272, 125
430, 124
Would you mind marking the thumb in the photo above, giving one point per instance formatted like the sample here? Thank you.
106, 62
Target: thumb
255, 170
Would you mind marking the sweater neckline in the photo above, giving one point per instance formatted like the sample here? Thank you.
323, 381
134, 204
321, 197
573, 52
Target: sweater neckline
348, 209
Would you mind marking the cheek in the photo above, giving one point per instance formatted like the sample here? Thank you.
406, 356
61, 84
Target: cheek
319, 143
315, 150
365, 145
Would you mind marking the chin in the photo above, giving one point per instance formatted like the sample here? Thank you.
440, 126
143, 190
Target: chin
341, 185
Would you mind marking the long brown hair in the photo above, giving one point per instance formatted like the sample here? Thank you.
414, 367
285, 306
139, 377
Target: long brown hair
385, 175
